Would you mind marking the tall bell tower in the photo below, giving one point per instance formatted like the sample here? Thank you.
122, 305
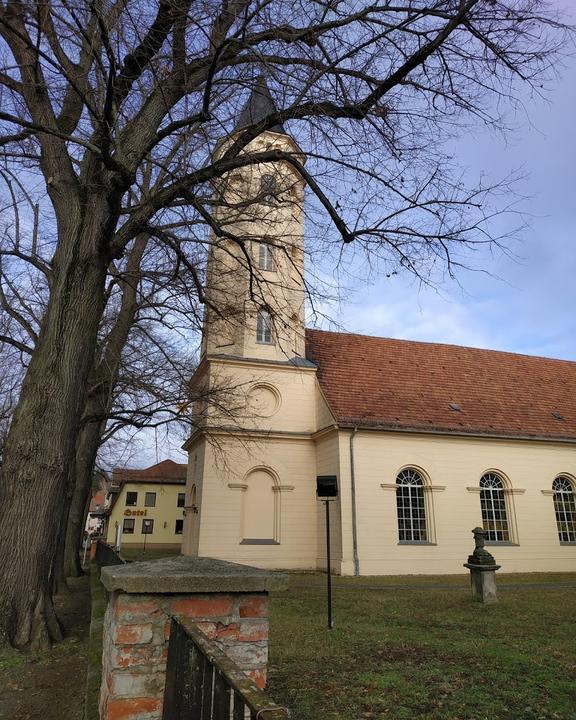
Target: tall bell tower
255, 283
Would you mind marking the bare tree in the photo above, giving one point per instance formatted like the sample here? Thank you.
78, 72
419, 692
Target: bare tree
92, 94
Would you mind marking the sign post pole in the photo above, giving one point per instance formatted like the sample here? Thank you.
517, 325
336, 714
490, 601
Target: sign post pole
328, 565
327, 490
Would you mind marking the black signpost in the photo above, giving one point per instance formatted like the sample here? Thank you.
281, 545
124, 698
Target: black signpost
147, 527
327, 490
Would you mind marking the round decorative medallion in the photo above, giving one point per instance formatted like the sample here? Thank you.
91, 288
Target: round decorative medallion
263, 400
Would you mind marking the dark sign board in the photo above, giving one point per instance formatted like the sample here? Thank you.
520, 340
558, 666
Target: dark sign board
147, 527
326, 486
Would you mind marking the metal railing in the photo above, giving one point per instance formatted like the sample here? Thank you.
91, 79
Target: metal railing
202, 683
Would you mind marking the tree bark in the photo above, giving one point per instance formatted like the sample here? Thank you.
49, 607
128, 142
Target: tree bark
86, 451
35, 474
98, 405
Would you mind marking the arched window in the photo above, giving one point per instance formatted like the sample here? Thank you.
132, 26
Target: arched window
493, 505
565, 509
411, 507
264, 327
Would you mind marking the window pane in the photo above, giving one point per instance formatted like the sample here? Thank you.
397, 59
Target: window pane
493, 508
265, 257
150, 499
131, 498
179, 527
411, 507
264, 327
128, 526
565, 509
181, 500
268, 188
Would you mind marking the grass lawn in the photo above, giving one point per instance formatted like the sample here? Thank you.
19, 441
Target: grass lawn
419, 648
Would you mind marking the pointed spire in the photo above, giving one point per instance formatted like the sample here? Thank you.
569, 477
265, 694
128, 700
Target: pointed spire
259, 105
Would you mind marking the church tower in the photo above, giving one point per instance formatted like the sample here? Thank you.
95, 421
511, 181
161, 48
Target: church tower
251, 471
255, 283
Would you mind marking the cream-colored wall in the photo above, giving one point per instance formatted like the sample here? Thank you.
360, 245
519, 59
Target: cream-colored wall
456, 463
292, 462
165, 511
328, 463
194, 486
265, 397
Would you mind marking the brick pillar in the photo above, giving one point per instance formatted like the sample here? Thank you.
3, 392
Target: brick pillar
229, 602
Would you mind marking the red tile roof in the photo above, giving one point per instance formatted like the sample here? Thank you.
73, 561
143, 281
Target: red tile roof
98, 500
400, 384
165, 471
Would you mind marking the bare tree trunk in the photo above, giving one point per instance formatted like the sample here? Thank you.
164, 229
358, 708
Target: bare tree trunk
35, 475
98, 404
86, 451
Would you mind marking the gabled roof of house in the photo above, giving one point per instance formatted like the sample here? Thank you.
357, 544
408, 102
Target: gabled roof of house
166, 471
398, 384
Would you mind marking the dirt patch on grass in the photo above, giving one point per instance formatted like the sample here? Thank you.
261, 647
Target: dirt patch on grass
50, 685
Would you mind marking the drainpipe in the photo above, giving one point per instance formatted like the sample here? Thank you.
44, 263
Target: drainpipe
353, 492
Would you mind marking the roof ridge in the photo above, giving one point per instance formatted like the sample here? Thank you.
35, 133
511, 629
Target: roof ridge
442, 345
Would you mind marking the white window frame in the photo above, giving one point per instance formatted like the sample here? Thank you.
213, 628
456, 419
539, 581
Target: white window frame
264, 328
565, 509
495, 509
265, 257
411, 498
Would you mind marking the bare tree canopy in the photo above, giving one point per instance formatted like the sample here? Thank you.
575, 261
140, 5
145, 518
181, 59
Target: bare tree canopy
110, 116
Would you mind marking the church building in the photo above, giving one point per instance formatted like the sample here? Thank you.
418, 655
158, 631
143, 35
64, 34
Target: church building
427, 441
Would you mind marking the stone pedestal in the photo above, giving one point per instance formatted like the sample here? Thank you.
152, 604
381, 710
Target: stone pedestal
483, 582
228, 602
482, 568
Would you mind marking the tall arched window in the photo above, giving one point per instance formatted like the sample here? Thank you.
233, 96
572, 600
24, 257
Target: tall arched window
493, 505
411, 506
565, 509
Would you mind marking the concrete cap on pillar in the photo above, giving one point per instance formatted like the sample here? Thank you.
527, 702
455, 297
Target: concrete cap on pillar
185, 574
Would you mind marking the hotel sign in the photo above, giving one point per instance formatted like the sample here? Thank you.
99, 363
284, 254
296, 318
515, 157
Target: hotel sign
134, 513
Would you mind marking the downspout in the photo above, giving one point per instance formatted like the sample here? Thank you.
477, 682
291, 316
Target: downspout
353, 493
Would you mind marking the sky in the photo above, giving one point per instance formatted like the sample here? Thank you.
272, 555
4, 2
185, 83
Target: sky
524, 303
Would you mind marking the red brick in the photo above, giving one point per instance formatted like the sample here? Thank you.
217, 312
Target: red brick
259, 677
254, 606
135, 611
133, 634
203, 606
134, 655
252, 631
132, 709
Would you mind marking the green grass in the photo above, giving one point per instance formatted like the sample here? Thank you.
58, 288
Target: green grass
425, 650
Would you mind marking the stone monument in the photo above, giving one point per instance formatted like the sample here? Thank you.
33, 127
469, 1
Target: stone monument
482, 568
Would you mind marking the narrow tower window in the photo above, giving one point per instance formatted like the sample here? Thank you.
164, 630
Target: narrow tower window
264, 327
565, 509
269, 189
411, 507
265, 257
493, 506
